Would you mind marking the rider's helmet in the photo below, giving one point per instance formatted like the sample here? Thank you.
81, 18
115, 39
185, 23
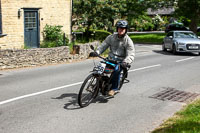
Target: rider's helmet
122, 24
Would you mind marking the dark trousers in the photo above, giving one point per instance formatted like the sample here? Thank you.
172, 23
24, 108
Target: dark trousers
116, 79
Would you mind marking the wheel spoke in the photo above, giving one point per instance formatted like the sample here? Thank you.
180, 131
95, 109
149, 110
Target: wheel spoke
87, 91
85, 97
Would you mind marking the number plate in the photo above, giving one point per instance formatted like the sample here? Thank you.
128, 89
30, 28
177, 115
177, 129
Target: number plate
100, 68
193, 47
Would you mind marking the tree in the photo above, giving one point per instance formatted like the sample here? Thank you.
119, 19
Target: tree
185, 9
102, 13
97, 13
191, 10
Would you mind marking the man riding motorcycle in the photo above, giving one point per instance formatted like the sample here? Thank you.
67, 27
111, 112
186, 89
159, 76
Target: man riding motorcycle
121, 49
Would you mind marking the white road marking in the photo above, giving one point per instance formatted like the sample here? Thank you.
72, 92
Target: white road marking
38, 93
143, 53
61, 87
142, 68
185, 59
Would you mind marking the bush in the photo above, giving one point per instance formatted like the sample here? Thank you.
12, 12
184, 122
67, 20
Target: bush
155, 38
100, 34
53, 37
48, 44
142, 23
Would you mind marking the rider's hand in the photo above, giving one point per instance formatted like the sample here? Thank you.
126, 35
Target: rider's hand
93, 54
124, 64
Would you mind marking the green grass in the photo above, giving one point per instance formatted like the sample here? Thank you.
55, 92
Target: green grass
146, 38
185, 121
151, 38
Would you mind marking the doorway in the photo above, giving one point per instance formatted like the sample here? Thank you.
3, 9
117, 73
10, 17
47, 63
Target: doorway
31, 28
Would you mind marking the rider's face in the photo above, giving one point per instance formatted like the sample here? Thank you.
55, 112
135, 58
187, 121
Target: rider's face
121, 31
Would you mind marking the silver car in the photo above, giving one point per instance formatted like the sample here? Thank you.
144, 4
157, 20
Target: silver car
181, 41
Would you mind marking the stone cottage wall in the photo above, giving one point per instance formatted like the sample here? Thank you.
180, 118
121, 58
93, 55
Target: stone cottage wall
10, 59
51, 12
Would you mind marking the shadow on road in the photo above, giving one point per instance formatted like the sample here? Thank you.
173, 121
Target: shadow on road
72, 104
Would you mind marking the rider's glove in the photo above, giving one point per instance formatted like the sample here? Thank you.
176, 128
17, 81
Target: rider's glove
124, 64
93, 54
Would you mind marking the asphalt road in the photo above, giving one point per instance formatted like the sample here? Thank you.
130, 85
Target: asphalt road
44, 99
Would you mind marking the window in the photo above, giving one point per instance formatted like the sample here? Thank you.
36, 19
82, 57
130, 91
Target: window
0, 20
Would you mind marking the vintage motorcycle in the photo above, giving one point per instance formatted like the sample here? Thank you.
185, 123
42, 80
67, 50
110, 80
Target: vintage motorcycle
99, 80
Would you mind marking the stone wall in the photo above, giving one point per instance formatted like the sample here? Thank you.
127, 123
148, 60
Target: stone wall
10, 59
51, 12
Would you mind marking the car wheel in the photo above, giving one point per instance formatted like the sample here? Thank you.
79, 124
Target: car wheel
174, 49
163, 47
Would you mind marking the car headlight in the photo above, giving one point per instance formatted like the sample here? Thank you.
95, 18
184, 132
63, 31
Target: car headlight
181, 44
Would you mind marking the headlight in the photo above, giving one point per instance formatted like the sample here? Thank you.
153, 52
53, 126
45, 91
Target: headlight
181, 44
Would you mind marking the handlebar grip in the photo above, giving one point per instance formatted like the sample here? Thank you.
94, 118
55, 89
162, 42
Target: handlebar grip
128, 65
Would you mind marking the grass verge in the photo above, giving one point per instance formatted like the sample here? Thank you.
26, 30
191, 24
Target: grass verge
151, 38
185, 121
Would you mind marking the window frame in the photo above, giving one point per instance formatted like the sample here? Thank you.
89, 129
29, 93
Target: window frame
1, 25
1, 31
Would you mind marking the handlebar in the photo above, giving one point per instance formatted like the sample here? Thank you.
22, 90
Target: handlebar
106, 59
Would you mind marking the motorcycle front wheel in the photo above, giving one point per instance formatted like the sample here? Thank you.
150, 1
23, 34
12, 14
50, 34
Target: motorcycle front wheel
88, 90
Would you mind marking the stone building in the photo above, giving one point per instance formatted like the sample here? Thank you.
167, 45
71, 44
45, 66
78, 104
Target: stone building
22, 21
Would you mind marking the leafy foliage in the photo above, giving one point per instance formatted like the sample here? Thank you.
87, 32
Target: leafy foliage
100, 14
53, 36
100, 34
142, 22
189, 9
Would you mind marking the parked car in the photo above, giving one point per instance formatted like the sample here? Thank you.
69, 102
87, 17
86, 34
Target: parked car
198, 29
181, 41
176, 26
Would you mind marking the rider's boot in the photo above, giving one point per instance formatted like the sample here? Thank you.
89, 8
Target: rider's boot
111, 93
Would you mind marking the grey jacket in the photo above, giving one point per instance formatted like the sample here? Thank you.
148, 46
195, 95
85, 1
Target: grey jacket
121, 49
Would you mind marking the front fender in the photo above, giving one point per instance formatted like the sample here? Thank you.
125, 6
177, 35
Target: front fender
95, 73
